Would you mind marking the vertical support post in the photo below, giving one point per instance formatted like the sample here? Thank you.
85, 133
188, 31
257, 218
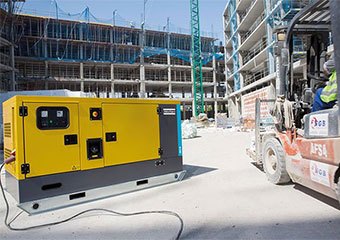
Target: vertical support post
11, 35
111, 44
193, 90
258, 153
46, 75
169, 58
142, 81
215, 89
169, 73
269, 29
82, 77
112, 80
142, 68
81, 55
45, 38
335, 16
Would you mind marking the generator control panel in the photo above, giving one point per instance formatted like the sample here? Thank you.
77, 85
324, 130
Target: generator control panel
52, 118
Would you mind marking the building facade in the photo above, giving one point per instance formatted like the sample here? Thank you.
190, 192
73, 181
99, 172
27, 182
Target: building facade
105, 59
251, 66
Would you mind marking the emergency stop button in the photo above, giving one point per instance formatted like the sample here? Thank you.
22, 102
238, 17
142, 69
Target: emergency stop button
95, 113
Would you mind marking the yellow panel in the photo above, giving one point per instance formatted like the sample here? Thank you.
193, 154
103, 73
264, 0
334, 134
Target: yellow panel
45, 150
137, 129
89, 129
9, 134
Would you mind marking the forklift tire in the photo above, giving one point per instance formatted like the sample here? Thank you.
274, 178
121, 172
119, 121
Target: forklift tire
274, 163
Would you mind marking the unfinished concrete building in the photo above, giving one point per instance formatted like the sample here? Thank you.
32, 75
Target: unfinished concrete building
251, 66
105, 59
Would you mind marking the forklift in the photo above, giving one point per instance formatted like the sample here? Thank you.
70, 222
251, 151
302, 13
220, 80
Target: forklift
303, 146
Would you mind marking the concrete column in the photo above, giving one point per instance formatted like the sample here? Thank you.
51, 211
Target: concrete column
12, 84
46, 75
192, 90
142, 88
142, 81
45, 39
111, 46
82, 77
46, 69
112, 81
215, 89
169, 74
81, 49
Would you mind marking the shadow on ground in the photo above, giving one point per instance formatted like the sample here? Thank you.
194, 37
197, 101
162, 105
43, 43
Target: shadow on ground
185, 139
327, 200
289, 229
193, 170
258, 166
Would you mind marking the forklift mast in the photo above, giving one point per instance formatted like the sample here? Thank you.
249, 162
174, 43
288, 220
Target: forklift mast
335, 15
313, 21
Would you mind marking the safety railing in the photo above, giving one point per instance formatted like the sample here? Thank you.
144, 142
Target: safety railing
253, 27
256, 76
245, 13
4, 59
256, 50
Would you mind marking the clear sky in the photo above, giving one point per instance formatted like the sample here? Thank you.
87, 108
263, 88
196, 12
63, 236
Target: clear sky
157, 11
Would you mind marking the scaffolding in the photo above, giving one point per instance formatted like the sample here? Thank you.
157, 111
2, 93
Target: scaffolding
80, 53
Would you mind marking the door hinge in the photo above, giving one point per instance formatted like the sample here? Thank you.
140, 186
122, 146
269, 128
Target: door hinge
160, 151
25, 168
23, 112
159, 110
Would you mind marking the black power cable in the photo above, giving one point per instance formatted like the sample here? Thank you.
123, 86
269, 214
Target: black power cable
8, 224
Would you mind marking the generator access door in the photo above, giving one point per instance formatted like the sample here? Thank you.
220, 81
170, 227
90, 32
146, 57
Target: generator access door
51, 138
131, 133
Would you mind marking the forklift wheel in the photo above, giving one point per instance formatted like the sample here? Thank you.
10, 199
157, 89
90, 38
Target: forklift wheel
274, 163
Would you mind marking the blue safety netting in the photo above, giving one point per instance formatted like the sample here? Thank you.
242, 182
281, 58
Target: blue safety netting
51, 9
181, 54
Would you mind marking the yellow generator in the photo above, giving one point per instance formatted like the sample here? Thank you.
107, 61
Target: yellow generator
71, 150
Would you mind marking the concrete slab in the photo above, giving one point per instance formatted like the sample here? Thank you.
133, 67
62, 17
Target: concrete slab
223, 197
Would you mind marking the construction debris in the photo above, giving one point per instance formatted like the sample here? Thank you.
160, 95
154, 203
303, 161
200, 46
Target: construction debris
222, 121
189, 129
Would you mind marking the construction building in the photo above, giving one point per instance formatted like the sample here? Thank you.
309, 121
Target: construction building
251, 65
57, 52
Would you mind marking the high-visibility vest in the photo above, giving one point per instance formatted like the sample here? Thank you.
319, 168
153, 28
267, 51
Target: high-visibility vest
329, 93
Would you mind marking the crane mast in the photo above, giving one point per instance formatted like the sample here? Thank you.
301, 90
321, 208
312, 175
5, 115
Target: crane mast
196, 58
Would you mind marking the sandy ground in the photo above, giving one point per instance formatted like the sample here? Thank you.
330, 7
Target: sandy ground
222, 197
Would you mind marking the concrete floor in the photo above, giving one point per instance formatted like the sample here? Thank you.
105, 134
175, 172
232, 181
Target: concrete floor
223, 197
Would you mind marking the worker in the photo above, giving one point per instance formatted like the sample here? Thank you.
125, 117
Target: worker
326, 97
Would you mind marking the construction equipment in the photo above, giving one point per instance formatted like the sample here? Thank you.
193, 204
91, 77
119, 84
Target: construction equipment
309, 155
196, 58
62, 151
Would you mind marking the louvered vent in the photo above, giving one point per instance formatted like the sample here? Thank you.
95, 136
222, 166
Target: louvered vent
7, 130
7, 153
